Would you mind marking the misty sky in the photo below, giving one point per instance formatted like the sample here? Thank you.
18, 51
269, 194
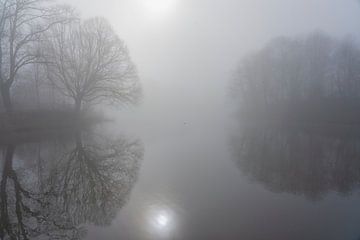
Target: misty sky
186, 50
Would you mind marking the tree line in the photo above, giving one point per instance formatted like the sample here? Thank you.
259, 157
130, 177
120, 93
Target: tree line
47, 52
289, 72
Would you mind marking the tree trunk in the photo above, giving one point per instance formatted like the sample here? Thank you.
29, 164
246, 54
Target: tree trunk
5, 96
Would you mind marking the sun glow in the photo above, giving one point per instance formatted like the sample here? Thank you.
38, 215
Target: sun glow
158, 8
162, 221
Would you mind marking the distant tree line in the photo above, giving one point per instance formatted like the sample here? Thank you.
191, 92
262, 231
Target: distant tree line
289, 72
49, 56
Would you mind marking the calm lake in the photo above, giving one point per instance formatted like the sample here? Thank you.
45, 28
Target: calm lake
197, 178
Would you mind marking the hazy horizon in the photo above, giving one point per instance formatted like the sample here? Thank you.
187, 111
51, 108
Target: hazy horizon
192, 48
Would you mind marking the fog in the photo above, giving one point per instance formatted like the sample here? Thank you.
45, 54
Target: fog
186, 59
186, 56
178, 165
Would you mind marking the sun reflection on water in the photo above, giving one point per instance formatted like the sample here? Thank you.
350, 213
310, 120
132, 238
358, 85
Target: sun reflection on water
162, 221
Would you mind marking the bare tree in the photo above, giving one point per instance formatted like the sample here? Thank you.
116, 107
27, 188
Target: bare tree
89, 63
22, 23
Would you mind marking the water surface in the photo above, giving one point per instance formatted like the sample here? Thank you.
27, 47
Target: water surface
188, 179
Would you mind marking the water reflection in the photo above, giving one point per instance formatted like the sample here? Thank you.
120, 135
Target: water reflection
54, 189
305, 160
161, 221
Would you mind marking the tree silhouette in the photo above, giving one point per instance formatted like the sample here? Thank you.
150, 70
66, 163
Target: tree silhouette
292, 79
87, 62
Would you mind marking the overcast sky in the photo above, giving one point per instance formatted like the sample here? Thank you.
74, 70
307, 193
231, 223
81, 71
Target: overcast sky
185, 50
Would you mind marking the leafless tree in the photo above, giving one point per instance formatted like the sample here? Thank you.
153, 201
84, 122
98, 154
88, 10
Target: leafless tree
89, 63
22, 23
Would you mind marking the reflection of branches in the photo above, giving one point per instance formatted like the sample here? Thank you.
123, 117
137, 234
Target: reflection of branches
13, 222
299, 162
22, 214
54, 197
94, 179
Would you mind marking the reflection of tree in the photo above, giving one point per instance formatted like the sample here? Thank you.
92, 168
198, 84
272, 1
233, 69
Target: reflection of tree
299, 162
23, 213
12, 222
86, 183
94, 178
